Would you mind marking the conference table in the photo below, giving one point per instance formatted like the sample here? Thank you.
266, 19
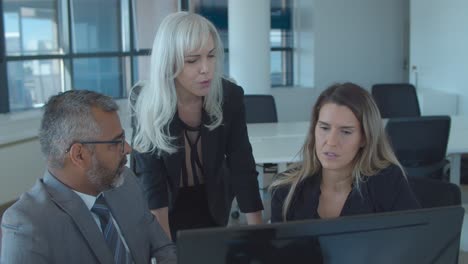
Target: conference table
281, 143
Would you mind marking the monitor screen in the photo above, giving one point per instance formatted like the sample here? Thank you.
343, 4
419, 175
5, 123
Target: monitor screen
414, 236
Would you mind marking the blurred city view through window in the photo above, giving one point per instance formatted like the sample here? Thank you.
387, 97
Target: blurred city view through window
31, 31
58, 45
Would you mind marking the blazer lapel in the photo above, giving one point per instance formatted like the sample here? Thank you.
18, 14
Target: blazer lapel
211, 144
72, 204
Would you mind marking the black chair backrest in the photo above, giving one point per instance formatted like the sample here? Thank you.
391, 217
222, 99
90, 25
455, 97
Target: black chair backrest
396, 100
260, 109
435, 193
420, 143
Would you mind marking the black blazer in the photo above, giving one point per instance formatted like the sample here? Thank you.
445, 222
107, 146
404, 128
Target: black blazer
227, 159
388, 190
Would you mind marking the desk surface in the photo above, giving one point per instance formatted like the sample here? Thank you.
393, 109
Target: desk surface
282, 142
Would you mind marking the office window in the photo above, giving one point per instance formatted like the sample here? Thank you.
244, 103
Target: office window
48, 46
30, 28
30, 31
96, 25
281, 34
147, 14
32, 82
103, 75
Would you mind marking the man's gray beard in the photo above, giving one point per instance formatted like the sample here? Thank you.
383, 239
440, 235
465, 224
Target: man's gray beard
118, 181
97, 172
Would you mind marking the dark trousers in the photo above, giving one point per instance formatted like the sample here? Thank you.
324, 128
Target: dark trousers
190, 210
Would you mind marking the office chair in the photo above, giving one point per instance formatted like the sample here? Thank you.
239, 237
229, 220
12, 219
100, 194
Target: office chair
260, 109
420, 144
396, 100
434, 193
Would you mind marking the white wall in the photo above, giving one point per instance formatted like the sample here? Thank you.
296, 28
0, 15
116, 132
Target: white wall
304, 43
360, 41
249, 61
294, 103
438, 47
21, 164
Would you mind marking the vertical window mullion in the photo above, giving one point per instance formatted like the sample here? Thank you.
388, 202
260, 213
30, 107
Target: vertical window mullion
184, 5
4, 102
70, 52
123, 44
132, 26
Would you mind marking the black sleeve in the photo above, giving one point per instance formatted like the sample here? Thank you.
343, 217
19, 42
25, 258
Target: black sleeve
393, 191
239, 154
278, 195
152, 175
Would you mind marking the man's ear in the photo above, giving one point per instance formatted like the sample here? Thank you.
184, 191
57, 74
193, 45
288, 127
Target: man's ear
79, 155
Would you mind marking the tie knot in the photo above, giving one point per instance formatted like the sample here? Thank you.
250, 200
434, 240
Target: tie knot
100, 209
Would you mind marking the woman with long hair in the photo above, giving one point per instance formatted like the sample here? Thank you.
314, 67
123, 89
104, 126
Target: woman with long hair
348, 166
194, 154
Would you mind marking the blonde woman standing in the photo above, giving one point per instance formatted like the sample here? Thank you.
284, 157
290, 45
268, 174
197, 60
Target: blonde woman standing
348, 165
194, 153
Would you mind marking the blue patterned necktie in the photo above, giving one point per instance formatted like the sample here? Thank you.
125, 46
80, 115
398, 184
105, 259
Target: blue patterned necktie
110, 233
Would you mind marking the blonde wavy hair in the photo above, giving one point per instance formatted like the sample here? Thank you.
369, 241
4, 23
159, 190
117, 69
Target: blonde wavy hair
178, 34
376, 154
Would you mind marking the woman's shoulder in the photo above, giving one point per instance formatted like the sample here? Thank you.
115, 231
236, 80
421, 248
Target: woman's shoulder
231, 89
390, 175
280, 185
391, 169
283, 189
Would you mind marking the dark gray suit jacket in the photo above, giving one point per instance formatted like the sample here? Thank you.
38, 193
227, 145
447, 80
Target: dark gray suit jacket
51, 224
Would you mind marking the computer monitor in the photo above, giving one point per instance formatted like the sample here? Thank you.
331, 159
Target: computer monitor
413, 236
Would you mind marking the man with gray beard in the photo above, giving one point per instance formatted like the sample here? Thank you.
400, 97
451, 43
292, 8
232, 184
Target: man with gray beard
88, 207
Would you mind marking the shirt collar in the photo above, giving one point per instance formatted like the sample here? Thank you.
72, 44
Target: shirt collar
89, 200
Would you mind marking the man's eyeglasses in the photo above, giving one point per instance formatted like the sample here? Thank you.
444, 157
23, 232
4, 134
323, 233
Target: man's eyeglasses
120, 141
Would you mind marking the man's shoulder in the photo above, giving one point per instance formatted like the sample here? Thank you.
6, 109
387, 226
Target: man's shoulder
33, 204
31, 217
129, 193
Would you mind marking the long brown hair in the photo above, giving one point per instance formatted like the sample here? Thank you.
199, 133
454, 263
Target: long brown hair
374, 156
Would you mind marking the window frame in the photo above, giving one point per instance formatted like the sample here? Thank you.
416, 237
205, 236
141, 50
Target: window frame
65, 41
129, 74
287, 49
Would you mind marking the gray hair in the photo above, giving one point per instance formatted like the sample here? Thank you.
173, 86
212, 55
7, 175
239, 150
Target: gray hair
178, 34
68, 118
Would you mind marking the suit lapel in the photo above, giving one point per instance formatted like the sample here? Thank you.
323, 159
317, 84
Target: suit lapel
210, 144
72, 204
